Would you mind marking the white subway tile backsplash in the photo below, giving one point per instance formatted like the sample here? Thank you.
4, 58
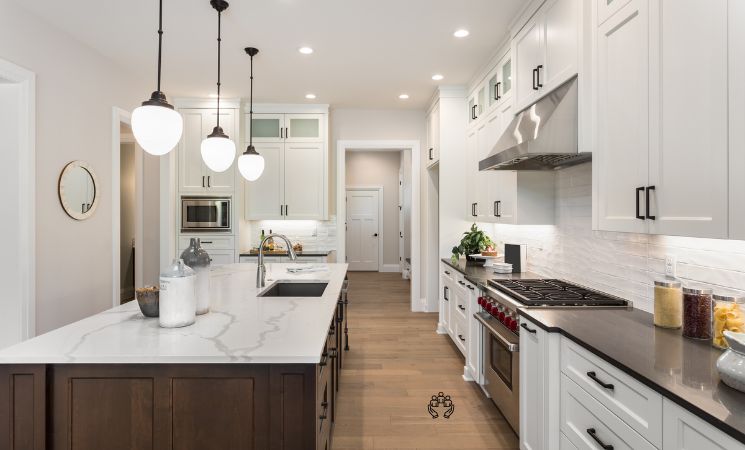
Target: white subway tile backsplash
313, 234
623, 264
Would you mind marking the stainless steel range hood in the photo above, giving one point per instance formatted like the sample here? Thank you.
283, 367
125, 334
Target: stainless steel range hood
542, 136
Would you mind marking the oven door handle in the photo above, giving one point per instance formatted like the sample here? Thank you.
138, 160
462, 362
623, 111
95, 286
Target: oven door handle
511, 347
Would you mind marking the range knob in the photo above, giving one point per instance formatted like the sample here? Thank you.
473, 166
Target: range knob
508, 322
502, 316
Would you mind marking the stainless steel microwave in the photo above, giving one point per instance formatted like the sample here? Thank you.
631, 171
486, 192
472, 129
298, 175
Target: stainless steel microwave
205, 213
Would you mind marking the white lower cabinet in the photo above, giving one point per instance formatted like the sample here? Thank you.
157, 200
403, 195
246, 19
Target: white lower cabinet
572, 399
683, 430
220, 257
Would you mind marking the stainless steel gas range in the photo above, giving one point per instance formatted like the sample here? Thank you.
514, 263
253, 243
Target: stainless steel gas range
500, 345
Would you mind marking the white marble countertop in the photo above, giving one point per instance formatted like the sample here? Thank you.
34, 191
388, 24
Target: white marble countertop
240, 328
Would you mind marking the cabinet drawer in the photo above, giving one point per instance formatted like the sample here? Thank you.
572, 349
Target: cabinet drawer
460, 333
323, 409
607, 8
460, 305
447, 272
683, 430
635, 404
565, 443
589, 425
208, 242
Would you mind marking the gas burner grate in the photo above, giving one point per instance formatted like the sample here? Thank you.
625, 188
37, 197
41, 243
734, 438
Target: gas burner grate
551, 292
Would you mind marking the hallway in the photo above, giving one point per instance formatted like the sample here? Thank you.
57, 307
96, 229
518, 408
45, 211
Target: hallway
395, 364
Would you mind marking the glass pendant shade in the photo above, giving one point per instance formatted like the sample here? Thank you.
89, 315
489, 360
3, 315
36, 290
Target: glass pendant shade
218, 153
157, 129
251, 166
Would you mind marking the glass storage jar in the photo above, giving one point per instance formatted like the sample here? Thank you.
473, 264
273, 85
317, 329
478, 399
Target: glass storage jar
668, 304
178, 299
728, 314
697, 312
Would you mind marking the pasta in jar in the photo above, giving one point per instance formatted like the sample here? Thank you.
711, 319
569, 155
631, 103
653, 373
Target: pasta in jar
727, 316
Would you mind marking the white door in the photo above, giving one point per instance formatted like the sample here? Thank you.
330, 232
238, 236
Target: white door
222, 181
689, 145
560, 38
264, 198
528, 56
362, 229
192, 171
620, 163
304, 178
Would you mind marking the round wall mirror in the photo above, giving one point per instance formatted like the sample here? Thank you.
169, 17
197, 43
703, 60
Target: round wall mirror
77, 190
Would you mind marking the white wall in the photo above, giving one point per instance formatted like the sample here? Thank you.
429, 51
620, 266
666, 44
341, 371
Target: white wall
379, 169
624, 264
151, 220
76, 89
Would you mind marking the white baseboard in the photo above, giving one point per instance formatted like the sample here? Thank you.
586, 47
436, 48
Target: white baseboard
441, 329
467, 374
390, 268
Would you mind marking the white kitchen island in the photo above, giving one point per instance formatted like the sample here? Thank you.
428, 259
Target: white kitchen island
255, 372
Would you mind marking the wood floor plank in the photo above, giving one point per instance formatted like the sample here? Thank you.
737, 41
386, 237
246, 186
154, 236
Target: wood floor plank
396, 362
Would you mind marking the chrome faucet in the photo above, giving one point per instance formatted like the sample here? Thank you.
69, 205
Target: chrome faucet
261, 270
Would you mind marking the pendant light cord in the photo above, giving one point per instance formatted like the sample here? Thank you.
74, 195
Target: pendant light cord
160, 39
219, 41
251, 107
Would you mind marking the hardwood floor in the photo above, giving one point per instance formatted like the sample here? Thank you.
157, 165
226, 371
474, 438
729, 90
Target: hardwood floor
395, 364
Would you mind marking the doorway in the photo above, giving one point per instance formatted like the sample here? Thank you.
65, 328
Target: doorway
128, 208
17, 269
364, 234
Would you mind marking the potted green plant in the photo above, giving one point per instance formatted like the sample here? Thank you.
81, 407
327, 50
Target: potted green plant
474, 241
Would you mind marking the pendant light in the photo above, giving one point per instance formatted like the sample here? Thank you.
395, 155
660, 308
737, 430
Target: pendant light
218, 151
250, 163
156, 126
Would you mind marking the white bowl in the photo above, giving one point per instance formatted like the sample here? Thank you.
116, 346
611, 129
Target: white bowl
731, 365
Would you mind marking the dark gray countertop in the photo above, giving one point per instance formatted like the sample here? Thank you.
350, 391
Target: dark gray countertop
478, 274
681, 369
299, 254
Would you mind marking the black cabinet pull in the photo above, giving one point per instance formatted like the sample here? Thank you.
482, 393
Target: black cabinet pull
603, 445
447, 273
400, 234
324, 359
287, 209
496, 91
649, 189
206, 242
461, 307
281, 210
535, 74
470, 287
538, 75
203, 181
209, 179
430, 154
527, 329
594, 378
460, 336
498, 208
461, 283
281, 133
638, 213
445, 291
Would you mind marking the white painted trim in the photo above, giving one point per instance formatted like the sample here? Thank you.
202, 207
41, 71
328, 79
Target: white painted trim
414, 145
208, 103
393, 268
381, 222
118, 116
26, 80
287, 108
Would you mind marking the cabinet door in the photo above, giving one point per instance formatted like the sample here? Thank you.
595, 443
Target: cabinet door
620, 164
192, 171
505, 181
304, 178
264, 198
683, 430
487, 181
223, 182
473, 350
435, 130
266, 127
505, 78
561, 37
533, 372
472, 144
736, 119
689, 143
304, 128
528, 56
446, 296
220, 257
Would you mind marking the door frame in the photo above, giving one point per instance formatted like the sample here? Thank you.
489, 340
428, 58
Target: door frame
381, 227
119, 116
26, 82
417, 302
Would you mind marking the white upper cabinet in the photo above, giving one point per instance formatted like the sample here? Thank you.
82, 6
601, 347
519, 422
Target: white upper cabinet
546, 50
304, 179
472, 144
736, 119
264, 198
688, 119
194, 176
500, 83
294, 184
620, 164
433, 136
661, 164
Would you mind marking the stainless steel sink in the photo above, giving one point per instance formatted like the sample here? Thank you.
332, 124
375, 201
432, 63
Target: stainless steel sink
295, 289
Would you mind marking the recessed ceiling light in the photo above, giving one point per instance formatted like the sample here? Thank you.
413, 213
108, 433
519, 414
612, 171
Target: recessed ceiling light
437, 77
305, 50
310, 96
404, 96
461, 33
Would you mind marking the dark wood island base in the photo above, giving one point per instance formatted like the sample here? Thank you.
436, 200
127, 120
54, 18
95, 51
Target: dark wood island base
170, 406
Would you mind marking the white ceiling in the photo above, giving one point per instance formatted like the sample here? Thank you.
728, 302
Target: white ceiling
367, 52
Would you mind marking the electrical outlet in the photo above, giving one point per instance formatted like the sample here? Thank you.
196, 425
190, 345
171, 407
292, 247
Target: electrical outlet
671, 266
